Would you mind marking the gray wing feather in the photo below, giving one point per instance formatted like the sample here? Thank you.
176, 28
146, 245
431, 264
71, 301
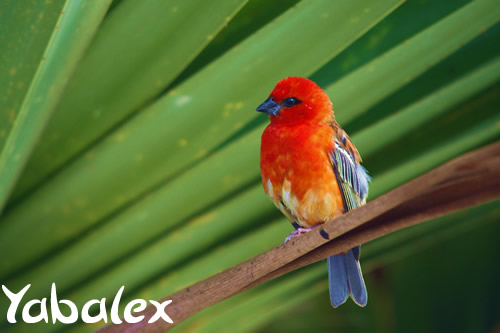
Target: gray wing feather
353, 179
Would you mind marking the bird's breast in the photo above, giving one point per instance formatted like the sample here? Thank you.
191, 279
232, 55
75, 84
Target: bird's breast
297, 173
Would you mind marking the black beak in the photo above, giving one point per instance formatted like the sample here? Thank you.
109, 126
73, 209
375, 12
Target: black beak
270, 107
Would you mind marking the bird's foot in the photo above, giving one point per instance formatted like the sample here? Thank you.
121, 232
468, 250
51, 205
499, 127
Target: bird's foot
298, 232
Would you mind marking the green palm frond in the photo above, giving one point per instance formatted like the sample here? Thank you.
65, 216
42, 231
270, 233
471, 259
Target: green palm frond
129, 147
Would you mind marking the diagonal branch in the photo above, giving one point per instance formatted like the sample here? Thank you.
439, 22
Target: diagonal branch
469, 180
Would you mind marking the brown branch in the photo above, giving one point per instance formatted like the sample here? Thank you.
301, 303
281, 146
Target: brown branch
466, 181
422, 209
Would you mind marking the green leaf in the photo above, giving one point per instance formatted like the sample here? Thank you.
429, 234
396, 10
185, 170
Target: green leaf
193, 237
224, 256
162, 210
353, 94
478, 135
393, 127
24, 34
45, 89
152, 35
395, 29
470, 57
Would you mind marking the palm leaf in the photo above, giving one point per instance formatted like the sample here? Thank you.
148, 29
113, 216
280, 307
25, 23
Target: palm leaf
129, 146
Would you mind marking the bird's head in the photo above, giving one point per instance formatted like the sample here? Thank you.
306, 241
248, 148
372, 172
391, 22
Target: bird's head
296, 100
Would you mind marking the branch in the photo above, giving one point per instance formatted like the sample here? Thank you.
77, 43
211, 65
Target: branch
466, 181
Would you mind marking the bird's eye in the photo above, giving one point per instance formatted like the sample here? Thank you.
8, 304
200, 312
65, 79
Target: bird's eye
291, 101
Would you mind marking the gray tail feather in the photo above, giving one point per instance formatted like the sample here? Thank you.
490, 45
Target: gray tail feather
345, 278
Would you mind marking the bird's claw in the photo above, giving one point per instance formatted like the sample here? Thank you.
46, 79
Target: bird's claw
298, 232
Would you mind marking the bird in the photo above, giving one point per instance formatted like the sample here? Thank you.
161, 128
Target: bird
312, 172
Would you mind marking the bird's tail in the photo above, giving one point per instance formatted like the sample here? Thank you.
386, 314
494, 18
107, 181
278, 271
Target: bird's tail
345, 278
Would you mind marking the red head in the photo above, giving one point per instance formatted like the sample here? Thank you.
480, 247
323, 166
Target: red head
296, 99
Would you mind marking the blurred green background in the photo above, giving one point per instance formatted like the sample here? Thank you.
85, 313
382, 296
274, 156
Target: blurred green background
130, 152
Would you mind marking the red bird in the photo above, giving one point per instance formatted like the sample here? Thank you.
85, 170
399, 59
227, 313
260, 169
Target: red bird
311, 170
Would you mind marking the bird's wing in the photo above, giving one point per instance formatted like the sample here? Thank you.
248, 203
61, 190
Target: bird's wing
344, 271
351, 176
